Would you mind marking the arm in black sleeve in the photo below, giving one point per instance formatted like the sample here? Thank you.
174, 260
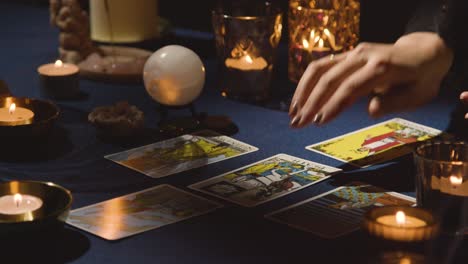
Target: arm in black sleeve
447, 18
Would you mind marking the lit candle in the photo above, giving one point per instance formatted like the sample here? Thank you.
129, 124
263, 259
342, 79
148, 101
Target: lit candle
58, 69
59, 80
400, 219
13, 115
452, 185
247, 63
19, 204
398, 223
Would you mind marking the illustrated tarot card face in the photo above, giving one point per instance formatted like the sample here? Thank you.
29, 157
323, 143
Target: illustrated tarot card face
265, 180
181, 153
375, 144
138, 212
339, 211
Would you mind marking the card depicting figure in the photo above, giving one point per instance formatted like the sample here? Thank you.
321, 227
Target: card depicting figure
265, 180
181, 153
377, 143
338, 212
138, 212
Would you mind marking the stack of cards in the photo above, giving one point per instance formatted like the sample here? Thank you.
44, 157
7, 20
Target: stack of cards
375, 144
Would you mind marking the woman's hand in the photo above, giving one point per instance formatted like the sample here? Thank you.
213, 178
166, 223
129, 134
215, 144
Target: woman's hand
464, 98
398, 76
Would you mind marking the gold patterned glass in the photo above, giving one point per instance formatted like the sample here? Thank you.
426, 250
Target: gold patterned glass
246, 40
319, 28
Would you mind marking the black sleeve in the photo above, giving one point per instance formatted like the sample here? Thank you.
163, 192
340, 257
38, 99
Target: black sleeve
426, 17
448, 18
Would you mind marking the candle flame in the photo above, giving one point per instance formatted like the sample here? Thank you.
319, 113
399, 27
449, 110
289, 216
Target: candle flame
400, 217
312, 34
12, 108
456, 180
248, 59
305, 43
316, 39
58, 63
17, 198
320, 43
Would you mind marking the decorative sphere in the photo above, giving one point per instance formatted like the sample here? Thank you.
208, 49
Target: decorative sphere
174, 75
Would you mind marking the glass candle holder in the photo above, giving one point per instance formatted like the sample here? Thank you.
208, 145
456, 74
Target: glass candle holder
442, 183
246, 36
318, 28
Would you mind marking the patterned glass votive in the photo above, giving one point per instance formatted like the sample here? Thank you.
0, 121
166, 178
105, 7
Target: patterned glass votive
246, 36
318, 28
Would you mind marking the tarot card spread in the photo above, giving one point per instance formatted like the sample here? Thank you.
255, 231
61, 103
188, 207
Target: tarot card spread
377, 143
181, 153
138, 212
338, 212
265, 180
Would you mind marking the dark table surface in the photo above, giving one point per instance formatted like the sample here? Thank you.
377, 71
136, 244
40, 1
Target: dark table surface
73, 157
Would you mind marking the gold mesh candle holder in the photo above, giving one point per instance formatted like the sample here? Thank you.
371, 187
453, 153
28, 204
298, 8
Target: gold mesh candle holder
319, 28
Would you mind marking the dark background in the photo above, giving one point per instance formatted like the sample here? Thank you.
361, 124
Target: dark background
381, 20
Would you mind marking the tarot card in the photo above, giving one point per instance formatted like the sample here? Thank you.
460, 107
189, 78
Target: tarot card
181, 153
339, 211
375, 144
139, 212
265, 180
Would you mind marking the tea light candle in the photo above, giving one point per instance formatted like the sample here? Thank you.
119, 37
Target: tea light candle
406, 224
13, 115
59, 80
401, 220
452, 185
19, 204
246, 63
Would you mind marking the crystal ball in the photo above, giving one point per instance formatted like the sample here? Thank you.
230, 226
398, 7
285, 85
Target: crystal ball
174, 75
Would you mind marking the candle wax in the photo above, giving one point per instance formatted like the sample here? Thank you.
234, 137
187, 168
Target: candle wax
410, 222
11, 206
51, 69
247, 63
20, 116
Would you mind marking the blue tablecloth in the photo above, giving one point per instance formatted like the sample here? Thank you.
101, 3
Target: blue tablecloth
74, 159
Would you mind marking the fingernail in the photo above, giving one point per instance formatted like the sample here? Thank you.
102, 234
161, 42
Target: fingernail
293, 110
317, 119
295, 121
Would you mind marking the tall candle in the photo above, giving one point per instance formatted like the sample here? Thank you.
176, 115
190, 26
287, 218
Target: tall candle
14, 115
130, 21
19, 204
